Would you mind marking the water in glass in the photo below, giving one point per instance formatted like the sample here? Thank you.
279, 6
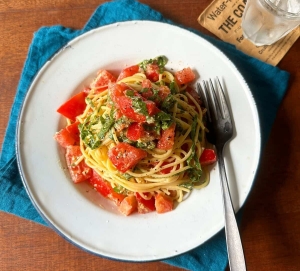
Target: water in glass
266, 21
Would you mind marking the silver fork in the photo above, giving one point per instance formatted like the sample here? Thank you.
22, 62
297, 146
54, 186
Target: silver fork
219, 124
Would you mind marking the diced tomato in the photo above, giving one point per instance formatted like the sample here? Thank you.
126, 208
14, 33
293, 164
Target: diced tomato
103, 79
166, 141
146, 89
116, 197
105, 188
124, 156
163, 92
208, 157
64, 138
125, 105
128, 72
152, 72
68, 136
145, 206
74, 131
151, 107
74, 106
163, 203
81, 172
116, 91
99, 184
147, 93
185, 76
128, 205
146, 83
135, 131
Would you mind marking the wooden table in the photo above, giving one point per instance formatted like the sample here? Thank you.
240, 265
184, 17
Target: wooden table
270, 228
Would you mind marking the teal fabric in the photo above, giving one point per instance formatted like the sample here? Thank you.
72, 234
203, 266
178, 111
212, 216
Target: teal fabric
267, 83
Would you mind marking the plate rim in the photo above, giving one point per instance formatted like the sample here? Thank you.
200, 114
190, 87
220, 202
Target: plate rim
30, 89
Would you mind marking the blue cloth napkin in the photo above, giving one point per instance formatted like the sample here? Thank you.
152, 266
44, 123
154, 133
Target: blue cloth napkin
267, 83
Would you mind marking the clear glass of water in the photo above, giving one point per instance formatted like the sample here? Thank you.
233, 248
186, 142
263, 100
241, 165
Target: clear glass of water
266, 21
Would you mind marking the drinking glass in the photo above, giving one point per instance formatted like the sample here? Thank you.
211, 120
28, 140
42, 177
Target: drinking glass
266, 21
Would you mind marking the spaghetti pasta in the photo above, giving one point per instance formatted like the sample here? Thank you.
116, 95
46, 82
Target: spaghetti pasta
142, 135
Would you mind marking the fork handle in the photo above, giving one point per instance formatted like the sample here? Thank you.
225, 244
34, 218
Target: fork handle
234, 245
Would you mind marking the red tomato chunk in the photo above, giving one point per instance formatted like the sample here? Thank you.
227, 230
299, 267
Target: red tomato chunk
146, 83
185, 76
135, 131
105, 188
68, 136
125, 157
81, 172
116, 91
128, 72
152, 72
128, 205
145, 205
166, 142
163, 92
74, 106
208, 157
125, 105
104, 78
73, 130
163, 203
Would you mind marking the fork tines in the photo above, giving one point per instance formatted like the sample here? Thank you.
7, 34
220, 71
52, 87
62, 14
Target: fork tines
212, 94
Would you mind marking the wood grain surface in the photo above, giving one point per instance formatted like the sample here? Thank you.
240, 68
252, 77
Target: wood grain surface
270, 228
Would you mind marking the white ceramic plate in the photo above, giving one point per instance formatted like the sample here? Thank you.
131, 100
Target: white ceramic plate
77, 212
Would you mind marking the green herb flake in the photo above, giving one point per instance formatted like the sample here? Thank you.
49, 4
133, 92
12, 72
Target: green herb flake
193, 128
129, 93
195, 171
87, 133
161, 61
106, 127
144, 90
168, 103
139, 106
119, 189
155, 97
107, 123
127, 176
150, 145
163, 120
89, 102
173, 88
91, 137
